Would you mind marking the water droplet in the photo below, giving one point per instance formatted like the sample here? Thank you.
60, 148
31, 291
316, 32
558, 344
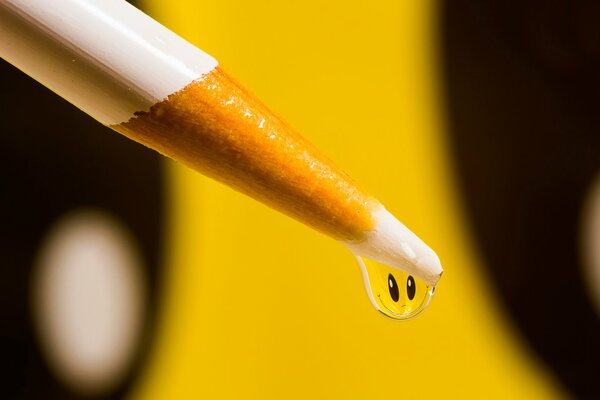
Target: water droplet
394, 293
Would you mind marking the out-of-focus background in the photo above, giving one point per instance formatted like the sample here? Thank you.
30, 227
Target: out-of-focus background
125, 275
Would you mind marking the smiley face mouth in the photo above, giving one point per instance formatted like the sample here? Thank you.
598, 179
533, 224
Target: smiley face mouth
390, 310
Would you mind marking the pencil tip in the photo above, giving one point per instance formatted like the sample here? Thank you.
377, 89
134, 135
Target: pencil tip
393, 244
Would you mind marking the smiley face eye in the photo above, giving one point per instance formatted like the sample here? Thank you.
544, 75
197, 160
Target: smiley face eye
411, 287
393, 288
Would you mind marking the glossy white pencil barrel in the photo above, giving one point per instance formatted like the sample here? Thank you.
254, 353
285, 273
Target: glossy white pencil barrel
104, 56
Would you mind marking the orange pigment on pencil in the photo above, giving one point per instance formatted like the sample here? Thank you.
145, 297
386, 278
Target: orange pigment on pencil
217, 127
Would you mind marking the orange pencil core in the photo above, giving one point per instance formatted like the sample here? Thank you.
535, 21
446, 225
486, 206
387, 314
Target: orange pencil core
218, 128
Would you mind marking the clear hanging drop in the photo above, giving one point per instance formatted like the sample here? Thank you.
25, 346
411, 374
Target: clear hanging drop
394, 293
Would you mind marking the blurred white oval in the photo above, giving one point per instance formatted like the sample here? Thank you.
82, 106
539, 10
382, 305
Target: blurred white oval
88, 297
591, 243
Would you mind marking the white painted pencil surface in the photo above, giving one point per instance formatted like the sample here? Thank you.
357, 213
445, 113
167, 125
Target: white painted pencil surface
132, 74
104, 56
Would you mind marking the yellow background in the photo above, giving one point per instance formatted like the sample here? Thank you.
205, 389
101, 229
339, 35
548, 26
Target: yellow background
259, 306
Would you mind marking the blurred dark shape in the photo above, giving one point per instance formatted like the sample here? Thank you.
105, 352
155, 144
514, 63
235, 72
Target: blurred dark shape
523, 91
56, 159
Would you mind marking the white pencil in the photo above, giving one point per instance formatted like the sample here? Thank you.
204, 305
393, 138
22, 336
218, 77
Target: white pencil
132, 74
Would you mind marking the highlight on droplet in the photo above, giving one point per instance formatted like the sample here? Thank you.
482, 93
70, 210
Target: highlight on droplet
394, 293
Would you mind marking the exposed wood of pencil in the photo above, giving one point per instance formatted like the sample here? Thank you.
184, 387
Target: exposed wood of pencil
217, 127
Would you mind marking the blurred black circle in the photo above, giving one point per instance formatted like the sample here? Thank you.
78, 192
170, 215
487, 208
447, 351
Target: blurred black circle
523, 88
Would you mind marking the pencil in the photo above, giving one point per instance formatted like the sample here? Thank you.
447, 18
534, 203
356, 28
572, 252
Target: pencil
137, 77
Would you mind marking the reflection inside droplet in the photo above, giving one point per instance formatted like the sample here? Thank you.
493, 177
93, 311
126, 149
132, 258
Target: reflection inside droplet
394, 293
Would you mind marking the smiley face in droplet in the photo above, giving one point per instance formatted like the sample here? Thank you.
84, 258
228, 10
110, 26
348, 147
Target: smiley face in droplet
401, 296
393, 292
